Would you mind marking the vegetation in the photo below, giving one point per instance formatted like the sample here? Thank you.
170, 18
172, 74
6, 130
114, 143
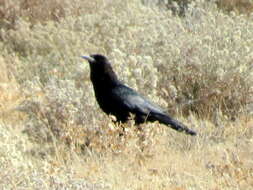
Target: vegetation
197, 65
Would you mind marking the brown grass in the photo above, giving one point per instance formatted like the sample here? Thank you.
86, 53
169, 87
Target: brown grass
238, 6
54, 136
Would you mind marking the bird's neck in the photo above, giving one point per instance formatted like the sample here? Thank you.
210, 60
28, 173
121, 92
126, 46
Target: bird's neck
105, 79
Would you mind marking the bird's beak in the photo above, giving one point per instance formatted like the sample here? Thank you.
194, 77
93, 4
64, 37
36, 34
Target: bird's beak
88, 58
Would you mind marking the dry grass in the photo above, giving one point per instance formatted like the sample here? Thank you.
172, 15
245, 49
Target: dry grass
36, 11
199, 67
239, 6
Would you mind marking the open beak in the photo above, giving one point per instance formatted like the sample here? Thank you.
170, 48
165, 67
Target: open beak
88, 58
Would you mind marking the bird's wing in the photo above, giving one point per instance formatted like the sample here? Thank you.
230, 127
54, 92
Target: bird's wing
130, 100
134, 102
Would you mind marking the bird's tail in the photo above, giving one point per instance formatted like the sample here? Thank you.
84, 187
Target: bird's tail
174, 124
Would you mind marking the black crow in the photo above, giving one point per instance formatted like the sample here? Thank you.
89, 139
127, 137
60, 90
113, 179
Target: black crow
119, 100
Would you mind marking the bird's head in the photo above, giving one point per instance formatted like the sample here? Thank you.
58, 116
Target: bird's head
96, 60
98, 63
100, 67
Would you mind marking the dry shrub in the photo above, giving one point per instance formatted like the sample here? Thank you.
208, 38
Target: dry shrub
10, 94
41, 11
59, 112
200, 63
33, 11
239, 6
178, 7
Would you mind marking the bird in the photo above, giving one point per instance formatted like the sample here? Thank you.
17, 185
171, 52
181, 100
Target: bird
117, 99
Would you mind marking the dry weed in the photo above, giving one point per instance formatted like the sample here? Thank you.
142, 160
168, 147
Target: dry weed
199, 67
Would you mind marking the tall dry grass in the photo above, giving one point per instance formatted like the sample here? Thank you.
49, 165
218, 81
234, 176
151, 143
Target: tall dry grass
198, 67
